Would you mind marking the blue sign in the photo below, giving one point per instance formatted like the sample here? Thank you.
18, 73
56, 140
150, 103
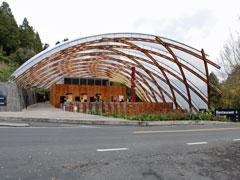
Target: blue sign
3, 101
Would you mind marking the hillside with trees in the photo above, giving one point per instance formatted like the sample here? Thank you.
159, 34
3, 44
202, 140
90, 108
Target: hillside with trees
18, 43
229, 96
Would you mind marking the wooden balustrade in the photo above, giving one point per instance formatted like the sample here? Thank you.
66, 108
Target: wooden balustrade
128, 108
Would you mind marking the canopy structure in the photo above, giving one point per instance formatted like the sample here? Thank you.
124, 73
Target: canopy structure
166, 70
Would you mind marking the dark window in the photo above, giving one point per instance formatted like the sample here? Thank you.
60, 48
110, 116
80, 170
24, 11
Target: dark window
83, 81
62, 99
77, 99
105, 82
98, 82
67, 80
90, 81
112, 98
92, 99
75, 81
87, 81
98, 97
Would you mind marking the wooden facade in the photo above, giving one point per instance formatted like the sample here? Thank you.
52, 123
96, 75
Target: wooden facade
85, 93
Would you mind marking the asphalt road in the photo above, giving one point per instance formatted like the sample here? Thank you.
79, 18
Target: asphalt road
60, 151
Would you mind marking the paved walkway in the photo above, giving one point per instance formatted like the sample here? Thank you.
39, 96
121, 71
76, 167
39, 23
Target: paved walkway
45, 112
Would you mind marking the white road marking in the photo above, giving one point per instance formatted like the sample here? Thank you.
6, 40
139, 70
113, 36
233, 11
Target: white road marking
236, 139
80, 126
196, 143
2, 124
52, 127
186, 130
112, 149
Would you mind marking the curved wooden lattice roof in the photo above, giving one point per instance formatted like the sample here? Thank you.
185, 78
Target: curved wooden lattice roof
166, 70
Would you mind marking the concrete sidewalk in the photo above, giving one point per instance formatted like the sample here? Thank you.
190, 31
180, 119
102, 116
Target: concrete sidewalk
45, 112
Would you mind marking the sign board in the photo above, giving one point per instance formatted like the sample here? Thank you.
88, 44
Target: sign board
232, 114
3, 101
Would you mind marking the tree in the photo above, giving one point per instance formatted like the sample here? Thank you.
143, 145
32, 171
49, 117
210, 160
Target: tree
3, 58
215, 95
45, 46
26, 35
230, 58
65, 39
231, 89
28, 38
37, 43
9, 32
30, 43
6, 71
22, 55
17, 44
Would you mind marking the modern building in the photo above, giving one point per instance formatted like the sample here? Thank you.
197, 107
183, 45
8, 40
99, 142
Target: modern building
81, 70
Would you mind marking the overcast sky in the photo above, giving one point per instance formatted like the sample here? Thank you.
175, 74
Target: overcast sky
198, 23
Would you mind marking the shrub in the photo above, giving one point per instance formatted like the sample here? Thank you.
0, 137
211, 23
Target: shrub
166, 116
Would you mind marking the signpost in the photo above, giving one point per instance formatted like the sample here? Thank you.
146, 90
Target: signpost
232, 114
3, 101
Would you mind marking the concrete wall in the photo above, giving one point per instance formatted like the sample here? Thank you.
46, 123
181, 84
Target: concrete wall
17, 97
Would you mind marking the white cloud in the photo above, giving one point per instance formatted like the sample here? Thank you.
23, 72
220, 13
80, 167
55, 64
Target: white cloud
198, 23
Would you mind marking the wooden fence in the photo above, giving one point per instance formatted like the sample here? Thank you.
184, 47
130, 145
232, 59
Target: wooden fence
128, 108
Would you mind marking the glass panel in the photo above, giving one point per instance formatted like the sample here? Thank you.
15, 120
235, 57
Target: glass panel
105, 82
90, 81
198, 101
75, 81
196, 82
194, 62
182, 102
83, 81
67, 81
98, 82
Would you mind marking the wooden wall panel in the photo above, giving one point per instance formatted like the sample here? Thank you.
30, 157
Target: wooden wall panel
106, 92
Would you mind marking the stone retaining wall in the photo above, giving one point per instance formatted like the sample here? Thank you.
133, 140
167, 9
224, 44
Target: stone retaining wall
17, 97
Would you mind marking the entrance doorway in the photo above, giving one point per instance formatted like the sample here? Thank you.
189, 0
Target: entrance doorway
92, 99
98, 97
